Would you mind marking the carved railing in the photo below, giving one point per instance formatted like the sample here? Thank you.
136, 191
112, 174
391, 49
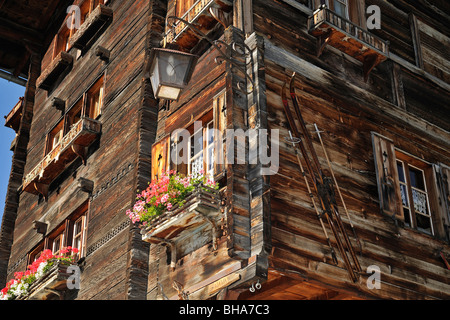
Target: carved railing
199, 14
336, 31
330, 18
72, 145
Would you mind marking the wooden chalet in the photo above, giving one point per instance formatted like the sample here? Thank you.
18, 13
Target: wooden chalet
357, 207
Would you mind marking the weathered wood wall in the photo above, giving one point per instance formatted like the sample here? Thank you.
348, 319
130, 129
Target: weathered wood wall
112, 161
334, 96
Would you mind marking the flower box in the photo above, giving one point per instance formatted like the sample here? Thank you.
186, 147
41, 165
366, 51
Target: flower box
182, 212
202, 208
53, 284
45, 279
188, 227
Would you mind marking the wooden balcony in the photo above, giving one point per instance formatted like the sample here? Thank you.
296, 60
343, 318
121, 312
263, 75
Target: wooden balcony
93, 25
74, 144
56, 68
52, 286
190, 226
204, 14
12, 120
342, 34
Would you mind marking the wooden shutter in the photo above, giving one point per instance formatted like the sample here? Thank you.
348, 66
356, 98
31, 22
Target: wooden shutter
219, 116
440, 200
387, 176
160, 157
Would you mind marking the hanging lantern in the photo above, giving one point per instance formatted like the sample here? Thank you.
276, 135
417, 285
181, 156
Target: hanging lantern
170, 72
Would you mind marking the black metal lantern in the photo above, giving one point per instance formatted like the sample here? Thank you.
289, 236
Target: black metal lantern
170, 72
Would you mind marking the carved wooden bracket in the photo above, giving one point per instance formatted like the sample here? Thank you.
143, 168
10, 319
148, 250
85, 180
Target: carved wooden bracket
86, 185
103, 53
322, 41
40, 227
370, 62
41, 189
58, 104
80, 151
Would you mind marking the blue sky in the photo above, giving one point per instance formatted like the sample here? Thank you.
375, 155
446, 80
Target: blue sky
9, 96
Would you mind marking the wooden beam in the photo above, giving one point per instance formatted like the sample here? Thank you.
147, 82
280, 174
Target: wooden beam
16, 33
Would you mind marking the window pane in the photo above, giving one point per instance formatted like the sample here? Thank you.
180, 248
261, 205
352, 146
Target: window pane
78, 226
407, 216
210, 160
424, 223
339, 8
404, 193
420, 201
197, 165
401, 172
196, 143
210, 133
416, 177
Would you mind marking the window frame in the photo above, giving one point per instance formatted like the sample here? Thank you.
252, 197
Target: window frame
345, 4
206, 119
213, 118
385, 155
62, 38
410, 162
83, 107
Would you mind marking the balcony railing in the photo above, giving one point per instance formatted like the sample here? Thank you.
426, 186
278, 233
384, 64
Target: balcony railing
349, 38
199, 14
73, 144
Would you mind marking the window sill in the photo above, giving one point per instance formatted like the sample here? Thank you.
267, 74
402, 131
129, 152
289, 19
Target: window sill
51, 74
94, 24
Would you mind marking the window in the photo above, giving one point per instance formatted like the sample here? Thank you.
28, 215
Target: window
62, 42
411, 190
79, 235
352, 10
89, 105
198, 153
94, 99
200, 146
341, 8
71, 232
202, 151
55, 136
57, 244
36, 253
